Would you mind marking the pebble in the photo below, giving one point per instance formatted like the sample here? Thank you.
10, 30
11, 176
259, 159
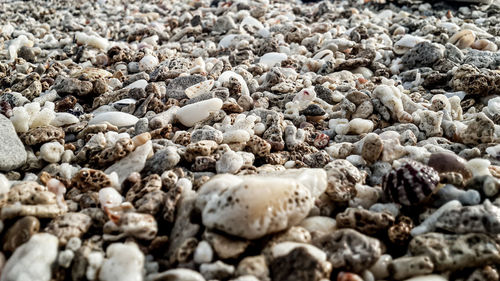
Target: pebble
20, 233
337, 246
32, 260
203, 253
119, 119
190, 114
123, 262
261, 200
12, 152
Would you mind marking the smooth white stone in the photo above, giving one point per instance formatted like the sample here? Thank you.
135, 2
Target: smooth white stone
109, 197
226, 40
271, 59
252, 22
141, 83
119, 119
63, 119
203, 253
190, 114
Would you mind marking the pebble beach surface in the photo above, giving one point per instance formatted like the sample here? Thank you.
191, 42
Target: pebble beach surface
249, 140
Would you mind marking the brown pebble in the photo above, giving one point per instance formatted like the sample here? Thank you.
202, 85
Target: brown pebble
20, 232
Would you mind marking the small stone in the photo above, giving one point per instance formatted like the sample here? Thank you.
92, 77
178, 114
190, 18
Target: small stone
162, 160
319, 225
444, 162
423, 54
43, 134
372, 148
230, 162
27, 53
475, 81
20, 232
313, 110
32, 260
124, 262
51, 152
342, 177
65, 258
349, 249
119, 119
364, 221
73, 86
480, 129
177, 87
483, 218
190, 114
12, 152
69, 225
203, 253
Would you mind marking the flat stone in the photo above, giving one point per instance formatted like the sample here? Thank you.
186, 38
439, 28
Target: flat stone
12, 152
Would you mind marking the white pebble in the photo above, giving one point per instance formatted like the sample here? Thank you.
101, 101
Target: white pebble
63, 119
91, 40
203, 253
109, 197
479, 167
148, 63
190, 114
51, 152
138, 84
119, 119
271, 59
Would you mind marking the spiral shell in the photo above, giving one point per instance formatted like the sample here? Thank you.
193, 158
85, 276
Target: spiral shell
411, 183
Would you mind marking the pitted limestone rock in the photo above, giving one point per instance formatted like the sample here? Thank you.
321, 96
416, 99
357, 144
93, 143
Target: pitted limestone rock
255, 205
